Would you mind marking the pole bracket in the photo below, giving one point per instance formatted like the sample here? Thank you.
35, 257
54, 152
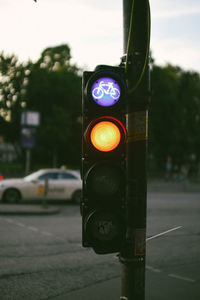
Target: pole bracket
125, 260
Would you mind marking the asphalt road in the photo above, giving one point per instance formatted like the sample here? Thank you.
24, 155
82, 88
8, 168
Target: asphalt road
41, 257
173, 261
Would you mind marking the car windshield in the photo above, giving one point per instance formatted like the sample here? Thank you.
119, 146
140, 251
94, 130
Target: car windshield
33, 176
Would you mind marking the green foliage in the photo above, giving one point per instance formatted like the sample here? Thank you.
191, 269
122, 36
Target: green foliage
52, 86
54, 90
174, 118
13, 84
53, 58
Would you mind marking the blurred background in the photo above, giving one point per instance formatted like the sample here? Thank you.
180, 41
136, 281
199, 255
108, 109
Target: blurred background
44, 48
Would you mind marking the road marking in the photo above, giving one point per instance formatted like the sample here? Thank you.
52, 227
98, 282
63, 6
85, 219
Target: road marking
162, 233
60, 239
149, 267
9, 220
181, 277
171, 275
46, 233
20, 224
33, 228
153, 269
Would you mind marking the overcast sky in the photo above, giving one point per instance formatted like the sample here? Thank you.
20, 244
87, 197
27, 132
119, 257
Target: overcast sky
93, 30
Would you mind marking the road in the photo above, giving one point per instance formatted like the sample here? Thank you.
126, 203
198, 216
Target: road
41, 257
173, 261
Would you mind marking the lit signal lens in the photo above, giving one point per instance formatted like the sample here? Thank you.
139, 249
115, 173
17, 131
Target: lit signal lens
105, 136
105, 91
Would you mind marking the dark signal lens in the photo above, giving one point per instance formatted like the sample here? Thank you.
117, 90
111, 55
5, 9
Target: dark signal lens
105, 180
104, 227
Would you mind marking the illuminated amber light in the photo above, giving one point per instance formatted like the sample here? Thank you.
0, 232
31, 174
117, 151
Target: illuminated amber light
105, 136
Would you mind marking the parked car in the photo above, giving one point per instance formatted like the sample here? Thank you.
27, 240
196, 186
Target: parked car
52, 184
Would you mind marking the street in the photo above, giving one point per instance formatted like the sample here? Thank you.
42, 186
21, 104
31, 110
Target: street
173, 259
42, 257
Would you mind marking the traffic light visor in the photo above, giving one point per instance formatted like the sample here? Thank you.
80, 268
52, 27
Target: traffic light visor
105, 136
105, 91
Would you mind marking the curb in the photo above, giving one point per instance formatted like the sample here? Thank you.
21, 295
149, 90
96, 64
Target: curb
9, 209
172, 187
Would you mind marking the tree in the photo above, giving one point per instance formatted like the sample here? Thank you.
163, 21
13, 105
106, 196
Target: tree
13, 86
174, 117
163, 113
53, 58
190, 104
54, 90
52, 86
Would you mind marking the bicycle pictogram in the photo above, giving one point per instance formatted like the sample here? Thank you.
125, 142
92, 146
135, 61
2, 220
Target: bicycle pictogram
106, 89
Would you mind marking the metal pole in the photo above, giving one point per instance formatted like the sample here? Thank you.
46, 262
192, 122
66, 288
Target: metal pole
28, 161
46, 190
133, 254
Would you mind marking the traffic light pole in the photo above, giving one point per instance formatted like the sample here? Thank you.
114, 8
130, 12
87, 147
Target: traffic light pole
136, 19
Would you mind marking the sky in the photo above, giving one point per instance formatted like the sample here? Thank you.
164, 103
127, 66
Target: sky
94, 30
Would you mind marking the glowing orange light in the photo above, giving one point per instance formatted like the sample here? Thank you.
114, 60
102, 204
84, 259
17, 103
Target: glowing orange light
105, 136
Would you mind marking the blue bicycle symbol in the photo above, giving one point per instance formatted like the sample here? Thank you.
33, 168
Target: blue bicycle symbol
106, 89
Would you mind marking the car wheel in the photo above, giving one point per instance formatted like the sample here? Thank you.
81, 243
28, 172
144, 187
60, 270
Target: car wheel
11, 196
76, 198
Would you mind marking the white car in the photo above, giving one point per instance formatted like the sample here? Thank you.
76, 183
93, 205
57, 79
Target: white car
44, 184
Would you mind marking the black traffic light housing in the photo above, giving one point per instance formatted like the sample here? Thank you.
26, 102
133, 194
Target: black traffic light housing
103, 159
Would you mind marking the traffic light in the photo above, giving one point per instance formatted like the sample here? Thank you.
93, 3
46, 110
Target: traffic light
103, 159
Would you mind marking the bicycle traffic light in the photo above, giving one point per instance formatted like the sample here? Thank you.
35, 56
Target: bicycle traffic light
103, 159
